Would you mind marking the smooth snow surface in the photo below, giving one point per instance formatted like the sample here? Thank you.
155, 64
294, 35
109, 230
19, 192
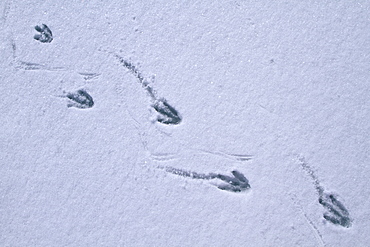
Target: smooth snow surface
193, 123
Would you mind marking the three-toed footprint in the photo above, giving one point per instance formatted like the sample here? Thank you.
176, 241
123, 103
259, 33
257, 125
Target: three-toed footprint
45, 35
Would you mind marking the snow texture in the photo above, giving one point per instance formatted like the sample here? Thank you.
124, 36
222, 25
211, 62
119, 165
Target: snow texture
195, 123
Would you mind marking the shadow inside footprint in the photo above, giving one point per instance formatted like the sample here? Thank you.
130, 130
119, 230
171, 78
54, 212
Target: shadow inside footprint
238, 183
45, 35
337, 214
166, 113
80, 99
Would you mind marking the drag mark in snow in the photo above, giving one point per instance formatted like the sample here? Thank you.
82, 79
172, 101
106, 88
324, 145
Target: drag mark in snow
309, 222
309, 170
89, 76
36, 66
132, 68
337, 212
236, 183
45, 35
166, 114
6, 11
80, 99
237, 157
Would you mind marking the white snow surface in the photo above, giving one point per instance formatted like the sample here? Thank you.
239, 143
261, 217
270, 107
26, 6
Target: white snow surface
286, 82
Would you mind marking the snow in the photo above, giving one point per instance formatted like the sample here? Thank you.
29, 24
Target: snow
277, 91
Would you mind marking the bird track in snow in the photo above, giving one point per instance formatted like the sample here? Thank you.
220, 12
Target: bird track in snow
166, 113
337, 213
79, 99
235, 183
45, 35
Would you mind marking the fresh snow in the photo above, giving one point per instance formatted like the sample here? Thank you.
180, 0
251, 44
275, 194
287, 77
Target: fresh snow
194, 123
